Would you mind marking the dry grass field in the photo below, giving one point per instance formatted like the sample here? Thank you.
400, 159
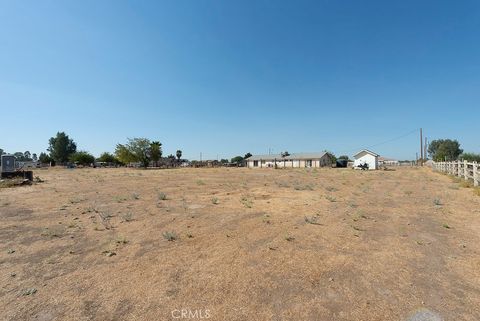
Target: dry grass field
239, 244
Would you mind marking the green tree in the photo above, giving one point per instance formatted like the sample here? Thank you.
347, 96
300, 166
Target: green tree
108, 158
135, 150
444, 149
2, 152
471, 157
19, 156
44, 158
179, 154
61, 147
247, 155
345, 157
27, 155
224, 161
82, 158
34, 157
237, 159
123, 154
156, 152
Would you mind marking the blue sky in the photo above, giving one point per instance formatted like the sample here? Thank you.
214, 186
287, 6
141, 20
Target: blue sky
229, 77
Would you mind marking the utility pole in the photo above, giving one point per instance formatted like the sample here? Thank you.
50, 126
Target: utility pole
200, 156
425, 148
421, 147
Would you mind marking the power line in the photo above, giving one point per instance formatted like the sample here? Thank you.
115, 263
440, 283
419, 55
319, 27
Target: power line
384, 142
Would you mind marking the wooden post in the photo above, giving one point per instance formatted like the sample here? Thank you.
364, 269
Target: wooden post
475, 174
459, 169
465, 170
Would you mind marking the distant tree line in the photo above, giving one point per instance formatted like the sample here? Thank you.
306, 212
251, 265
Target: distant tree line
62, 150
449, 150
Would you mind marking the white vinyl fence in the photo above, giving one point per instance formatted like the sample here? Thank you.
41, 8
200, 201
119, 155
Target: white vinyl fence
461, 169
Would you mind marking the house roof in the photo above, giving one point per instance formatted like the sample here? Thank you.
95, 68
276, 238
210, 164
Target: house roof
290, 157
366, 151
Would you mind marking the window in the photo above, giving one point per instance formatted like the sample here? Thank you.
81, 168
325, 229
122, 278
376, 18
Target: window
308, 163
255, 163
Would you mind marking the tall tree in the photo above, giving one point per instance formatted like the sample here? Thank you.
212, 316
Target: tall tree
44, 158
156, 151
1, 152
179, 155
123, 154
135, 150
444, 149
34, 157
247, 155
27, 155
61, 147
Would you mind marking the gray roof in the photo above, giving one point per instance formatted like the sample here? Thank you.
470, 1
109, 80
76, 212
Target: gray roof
292, 156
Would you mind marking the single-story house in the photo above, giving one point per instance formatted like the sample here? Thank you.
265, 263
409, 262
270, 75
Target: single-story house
297, 160
366, 157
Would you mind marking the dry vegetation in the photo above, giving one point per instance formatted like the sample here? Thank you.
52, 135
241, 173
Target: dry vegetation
122, 244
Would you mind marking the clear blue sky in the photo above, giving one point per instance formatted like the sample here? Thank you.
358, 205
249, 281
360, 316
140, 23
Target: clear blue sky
229, 77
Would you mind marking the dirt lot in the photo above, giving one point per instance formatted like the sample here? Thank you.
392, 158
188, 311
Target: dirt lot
239, 244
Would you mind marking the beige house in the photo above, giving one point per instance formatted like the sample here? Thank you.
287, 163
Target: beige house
299, 160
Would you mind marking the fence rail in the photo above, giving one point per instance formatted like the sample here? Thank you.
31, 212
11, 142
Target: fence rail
467, 170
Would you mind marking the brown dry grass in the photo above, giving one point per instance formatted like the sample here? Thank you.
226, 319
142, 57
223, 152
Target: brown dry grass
123, 244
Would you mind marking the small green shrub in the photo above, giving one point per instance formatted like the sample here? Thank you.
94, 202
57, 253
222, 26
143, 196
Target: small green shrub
127, 217
246, 202
161, 196
331, 198
170, 236
311, 220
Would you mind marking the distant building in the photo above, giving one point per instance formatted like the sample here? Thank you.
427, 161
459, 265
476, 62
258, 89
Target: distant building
366, 157
383, 161
298, 160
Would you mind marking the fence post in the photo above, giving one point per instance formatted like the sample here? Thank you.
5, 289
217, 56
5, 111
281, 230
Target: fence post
475, 174
465, 170
459, 173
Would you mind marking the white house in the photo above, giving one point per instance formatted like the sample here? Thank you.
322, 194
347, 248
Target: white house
297, 160
366, 157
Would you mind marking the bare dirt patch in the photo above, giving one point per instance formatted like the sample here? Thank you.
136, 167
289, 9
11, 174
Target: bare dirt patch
249, 245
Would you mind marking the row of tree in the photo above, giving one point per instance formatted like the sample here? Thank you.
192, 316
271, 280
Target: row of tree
62, 149
449, 150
